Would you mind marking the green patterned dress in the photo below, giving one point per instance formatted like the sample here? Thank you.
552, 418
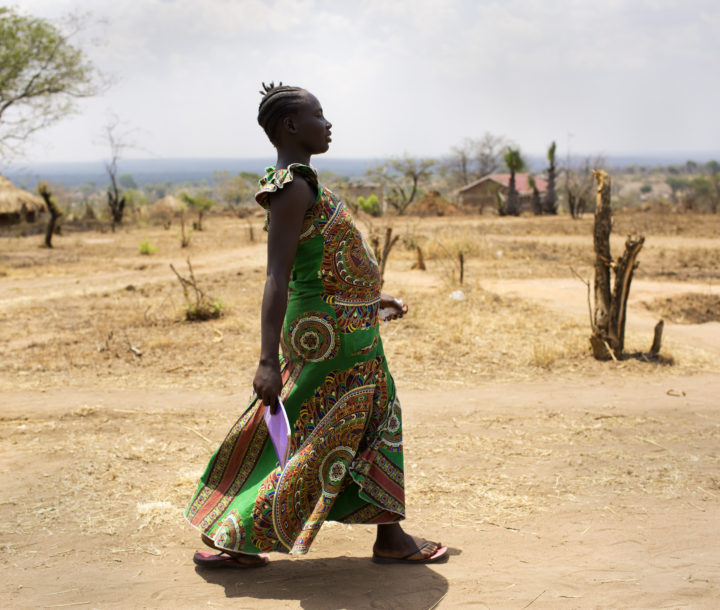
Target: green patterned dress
346, 447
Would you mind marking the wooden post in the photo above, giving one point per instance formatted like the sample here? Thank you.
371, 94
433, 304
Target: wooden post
420, 262
657, 338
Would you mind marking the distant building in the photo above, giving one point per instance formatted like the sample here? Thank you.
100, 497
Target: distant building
483, 193
17, 205
360, 188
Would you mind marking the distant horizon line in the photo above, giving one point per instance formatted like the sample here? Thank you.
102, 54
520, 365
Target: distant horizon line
686, 155
146, 170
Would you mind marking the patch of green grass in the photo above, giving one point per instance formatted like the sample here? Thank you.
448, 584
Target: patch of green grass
147, 248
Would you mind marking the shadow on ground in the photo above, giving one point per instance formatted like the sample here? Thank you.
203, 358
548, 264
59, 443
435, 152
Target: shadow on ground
339, 582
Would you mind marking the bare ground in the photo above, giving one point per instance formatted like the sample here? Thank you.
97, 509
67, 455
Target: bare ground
557, 481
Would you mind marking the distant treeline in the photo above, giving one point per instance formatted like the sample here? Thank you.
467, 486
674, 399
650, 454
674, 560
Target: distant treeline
149, 171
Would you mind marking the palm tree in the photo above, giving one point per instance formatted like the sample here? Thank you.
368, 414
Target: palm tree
550, 206
536, 200
515, 163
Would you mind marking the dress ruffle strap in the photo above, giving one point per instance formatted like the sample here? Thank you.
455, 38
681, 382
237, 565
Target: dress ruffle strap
275, 179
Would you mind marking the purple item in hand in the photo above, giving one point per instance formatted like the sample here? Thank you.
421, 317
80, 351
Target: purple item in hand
279, 428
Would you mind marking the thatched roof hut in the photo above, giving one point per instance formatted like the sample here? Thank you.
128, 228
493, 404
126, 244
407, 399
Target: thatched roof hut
17, 205
167, 205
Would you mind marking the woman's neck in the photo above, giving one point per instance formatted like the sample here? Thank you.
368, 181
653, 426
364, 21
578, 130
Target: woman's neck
288, 156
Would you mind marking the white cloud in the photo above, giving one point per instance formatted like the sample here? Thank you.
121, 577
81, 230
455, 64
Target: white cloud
416, 76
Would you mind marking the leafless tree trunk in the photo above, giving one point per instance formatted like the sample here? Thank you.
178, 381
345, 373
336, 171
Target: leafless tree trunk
116, 201
536, 201
512, 207
54, 210
608, 319
117, 143
382, 255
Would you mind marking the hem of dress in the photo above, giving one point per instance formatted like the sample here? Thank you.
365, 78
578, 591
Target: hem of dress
222, 548
368, 499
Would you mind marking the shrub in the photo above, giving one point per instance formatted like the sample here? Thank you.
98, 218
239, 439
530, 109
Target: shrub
147, 248
204, 310
369, 205
204, 307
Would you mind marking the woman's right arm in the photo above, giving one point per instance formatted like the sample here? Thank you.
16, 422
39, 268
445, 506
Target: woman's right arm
287, 210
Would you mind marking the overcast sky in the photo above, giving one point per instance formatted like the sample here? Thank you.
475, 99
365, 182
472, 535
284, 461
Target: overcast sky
395, 76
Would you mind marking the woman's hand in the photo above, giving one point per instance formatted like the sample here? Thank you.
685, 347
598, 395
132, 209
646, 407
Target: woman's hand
268, 383
391, 308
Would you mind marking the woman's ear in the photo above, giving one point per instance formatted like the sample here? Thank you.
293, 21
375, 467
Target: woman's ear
289, 124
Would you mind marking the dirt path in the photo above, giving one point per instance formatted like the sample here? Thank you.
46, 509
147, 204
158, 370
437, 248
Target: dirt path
572, 494
570, 296
123, 272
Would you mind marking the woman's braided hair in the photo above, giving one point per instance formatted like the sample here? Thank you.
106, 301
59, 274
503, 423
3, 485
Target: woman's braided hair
278, 101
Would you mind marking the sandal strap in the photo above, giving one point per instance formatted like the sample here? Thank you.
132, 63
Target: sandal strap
421, 548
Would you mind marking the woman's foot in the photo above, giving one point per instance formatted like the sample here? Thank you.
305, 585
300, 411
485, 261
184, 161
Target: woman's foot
394, 545
243, 559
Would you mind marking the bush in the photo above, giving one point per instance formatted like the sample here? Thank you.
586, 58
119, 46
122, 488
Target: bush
645, 188
369, 205
203, 310
147, 248
204, 307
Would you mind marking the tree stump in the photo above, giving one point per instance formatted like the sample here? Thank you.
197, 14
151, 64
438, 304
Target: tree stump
420, 262
609, 315
54, 210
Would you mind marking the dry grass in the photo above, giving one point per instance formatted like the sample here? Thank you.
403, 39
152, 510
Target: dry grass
690, 308
123, 480
116, 317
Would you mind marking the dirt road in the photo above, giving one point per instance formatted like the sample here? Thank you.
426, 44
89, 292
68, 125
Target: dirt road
574, 495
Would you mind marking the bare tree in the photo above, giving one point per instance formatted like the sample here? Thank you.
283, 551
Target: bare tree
580, 185
118, 143
402, 177
474, 158
490, 150
461, 162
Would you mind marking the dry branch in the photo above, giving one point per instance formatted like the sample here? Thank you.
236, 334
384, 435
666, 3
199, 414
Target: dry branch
204, 307
383, 254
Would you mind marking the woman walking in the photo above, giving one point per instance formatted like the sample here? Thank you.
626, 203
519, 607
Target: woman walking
321, 306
